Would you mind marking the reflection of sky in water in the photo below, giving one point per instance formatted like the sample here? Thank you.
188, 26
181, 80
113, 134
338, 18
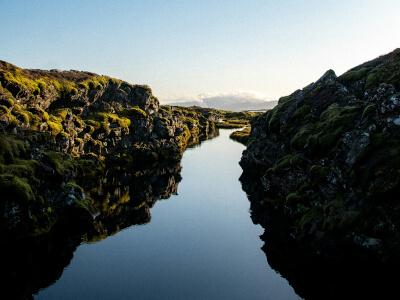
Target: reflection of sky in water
199, 244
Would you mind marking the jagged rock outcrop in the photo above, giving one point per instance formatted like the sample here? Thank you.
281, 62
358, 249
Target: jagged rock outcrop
90, 113
328, 157
57, 127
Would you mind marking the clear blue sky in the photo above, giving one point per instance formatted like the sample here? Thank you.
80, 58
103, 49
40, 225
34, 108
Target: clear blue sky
185, 48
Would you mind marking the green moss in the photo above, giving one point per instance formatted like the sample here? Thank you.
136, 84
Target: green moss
42, 86
93, 124
301, 208
61, 162
165, 109
18, 188
86, 167
388, 74
282, 163
96, 82
10, 148
55, 128
78, 122
78, 141
377, 140
329, 140
251, 141
323, 137
314, 214
34, 121
241, 136
42, 114
17, 77
101, 120
338, 217
368, 110
292, 199
300, 139
64, 87
301, 112
330, 117
4, 110
354, 75
296, 159
7, 102
4, 91
273, 123
284, 100
318, 173
22, 115
61, 114
73, 185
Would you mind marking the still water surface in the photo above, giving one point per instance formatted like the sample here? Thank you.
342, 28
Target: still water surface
200, 244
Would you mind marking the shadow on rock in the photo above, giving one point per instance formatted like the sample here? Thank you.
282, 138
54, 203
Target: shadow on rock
310, 274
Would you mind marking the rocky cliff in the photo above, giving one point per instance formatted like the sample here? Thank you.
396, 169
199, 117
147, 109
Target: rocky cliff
60, 127
328, 159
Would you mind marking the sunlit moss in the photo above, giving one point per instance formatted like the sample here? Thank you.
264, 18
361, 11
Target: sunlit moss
133, 112
241, 136
23, 116
7, 102
16, 76
61, 113
55, 128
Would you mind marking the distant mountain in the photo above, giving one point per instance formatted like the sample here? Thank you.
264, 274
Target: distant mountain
233, 103
187, 103
239, 103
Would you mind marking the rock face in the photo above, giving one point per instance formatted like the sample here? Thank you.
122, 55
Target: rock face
86, 113
57, 127
327, 156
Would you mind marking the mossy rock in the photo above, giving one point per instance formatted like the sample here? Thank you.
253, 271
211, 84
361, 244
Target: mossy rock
318, 173
16, 188
59, 161
368, 110
355, 75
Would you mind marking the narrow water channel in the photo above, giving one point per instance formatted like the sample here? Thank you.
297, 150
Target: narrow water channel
199, 244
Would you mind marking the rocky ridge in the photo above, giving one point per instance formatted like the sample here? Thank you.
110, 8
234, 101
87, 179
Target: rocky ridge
327, 158
58, 128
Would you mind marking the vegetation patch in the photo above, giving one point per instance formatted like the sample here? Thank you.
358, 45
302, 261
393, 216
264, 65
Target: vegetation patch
241, 136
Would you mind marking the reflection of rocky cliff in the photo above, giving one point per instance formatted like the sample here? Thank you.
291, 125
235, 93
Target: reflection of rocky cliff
31, 264
312, 275
124, 199
119, 199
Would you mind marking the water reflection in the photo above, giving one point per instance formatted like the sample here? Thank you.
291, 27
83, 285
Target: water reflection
313, 276
120, 200
29, 265
124, 199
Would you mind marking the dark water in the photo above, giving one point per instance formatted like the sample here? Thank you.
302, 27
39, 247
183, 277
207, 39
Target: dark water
199, 244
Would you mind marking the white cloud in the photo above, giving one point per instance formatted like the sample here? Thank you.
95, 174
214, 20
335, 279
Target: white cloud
237, 100
226, 96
